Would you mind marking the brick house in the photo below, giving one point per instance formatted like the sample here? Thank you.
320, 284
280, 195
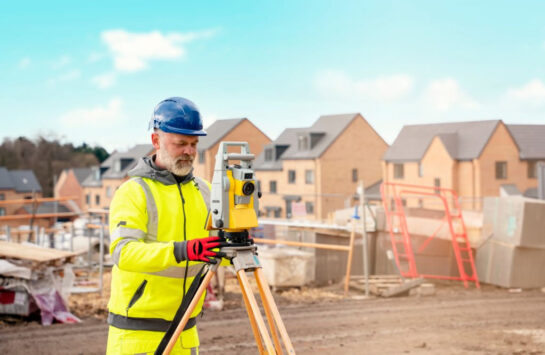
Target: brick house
476, 159
310, 172
100, 185
17, 185
70, 184
237, 129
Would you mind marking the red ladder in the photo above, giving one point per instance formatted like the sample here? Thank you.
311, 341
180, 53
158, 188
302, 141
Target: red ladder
392, 199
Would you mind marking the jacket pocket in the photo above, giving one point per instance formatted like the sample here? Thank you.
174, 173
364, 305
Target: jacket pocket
137, 294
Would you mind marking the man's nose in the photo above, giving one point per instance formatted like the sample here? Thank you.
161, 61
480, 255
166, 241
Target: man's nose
189, 150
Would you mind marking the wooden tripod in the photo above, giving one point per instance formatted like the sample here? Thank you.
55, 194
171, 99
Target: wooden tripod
244, 258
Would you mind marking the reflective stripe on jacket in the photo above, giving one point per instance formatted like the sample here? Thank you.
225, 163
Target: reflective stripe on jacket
147, 214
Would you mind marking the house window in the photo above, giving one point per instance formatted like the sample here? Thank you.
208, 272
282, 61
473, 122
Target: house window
420, 170
309, 206
108, 191
291, 176
2, 197
501, 170
354, 175
309, 176
277, 213
437, 184
398, 171
272, 186
97, 200
88, 199
2, 211
532, 170
201, 156
268, 154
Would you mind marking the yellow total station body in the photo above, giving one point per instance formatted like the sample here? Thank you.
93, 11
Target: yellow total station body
234, 195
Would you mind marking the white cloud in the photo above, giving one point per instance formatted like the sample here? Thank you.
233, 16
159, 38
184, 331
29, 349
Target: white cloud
104, 81
24, 63
531, 93
61, 62
134, 51
383, 88
444, 94
94, 116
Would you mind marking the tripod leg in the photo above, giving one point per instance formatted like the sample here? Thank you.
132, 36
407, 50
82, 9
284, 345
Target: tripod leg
268, 313
269, 300
258, 325
190, 309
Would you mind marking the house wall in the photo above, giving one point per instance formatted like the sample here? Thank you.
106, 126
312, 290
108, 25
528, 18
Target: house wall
93, 192
245, 131
357, 147
502, 147
299, 187
268, 198
109, 186
68, 185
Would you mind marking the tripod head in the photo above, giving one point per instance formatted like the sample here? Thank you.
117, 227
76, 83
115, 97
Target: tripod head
234, 197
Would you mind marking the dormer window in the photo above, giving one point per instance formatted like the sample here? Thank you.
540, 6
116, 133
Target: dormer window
269, 154
303, 142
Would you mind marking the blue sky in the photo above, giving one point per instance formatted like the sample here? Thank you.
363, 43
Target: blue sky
93, 71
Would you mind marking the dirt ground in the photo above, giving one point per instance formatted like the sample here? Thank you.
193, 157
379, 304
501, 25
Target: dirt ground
320, 321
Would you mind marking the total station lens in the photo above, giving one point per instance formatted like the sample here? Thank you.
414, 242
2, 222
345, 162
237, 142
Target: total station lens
248, 188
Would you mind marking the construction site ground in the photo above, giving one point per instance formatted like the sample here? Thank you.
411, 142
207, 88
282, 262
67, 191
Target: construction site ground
320, 321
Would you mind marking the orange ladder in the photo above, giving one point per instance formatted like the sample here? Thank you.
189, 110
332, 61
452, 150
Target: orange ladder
393, 202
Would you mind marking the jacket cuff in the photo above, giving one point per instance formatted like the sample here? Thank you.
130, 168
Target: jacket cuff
180, 251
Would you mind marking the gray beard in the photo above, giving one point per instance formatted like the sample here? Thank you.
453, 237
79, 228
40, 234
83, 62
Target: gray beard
177, 166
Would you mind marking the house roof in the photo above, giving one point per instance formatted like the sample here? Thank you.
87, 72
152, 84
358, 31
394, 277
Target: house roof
93, 180
24, 181
530, 140
5, 179
463, 140
331, 126
82, 173
326, 129
216, 131
286, 138
47, 207
132, 156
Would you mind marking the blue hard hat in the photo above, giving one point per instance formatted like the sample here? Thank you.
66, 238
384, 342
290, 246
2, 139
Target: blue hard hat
177, 115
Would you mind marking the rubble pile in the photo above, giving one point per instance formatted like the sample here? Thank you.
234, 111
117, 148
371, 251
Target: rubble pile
34, 278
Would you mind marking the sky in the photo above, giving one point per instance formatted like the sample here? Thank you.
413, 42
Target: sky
93, 71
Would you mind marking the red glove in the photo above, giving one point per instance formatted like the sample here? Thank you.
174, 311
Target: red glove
201, 249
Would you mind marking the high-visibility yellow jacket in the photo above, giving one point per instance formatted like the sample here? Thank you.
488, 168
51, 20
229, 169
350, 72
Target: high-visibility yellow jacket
148, 214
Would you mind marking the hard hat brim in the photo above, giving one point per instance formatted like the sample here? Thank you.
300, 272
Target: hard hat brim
187, 132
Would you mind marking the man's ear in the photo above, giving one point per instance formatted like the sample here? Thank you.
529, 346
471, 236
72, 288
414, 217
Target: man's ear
155, 140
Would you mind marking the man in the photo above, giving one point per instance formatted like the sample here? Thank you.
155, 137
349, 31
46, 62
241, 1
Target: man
158, 240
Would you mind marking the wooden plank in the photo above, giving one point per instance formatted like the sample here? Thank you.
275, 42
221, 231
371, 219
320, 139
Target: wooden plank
32, 253
14, 217
37, 200
404, 287
300, 244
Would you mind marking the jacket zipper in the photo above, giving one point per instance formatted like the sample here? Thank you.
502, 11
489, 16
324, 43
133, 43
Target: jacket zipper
137, 294
185, 237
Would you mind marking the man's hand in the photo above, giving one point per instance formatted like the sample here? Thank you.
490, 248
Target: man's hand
199, 249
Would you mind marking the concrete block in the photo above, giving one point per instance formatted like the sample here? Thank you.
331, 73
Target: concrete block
284, 267
515, 220
510, 266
